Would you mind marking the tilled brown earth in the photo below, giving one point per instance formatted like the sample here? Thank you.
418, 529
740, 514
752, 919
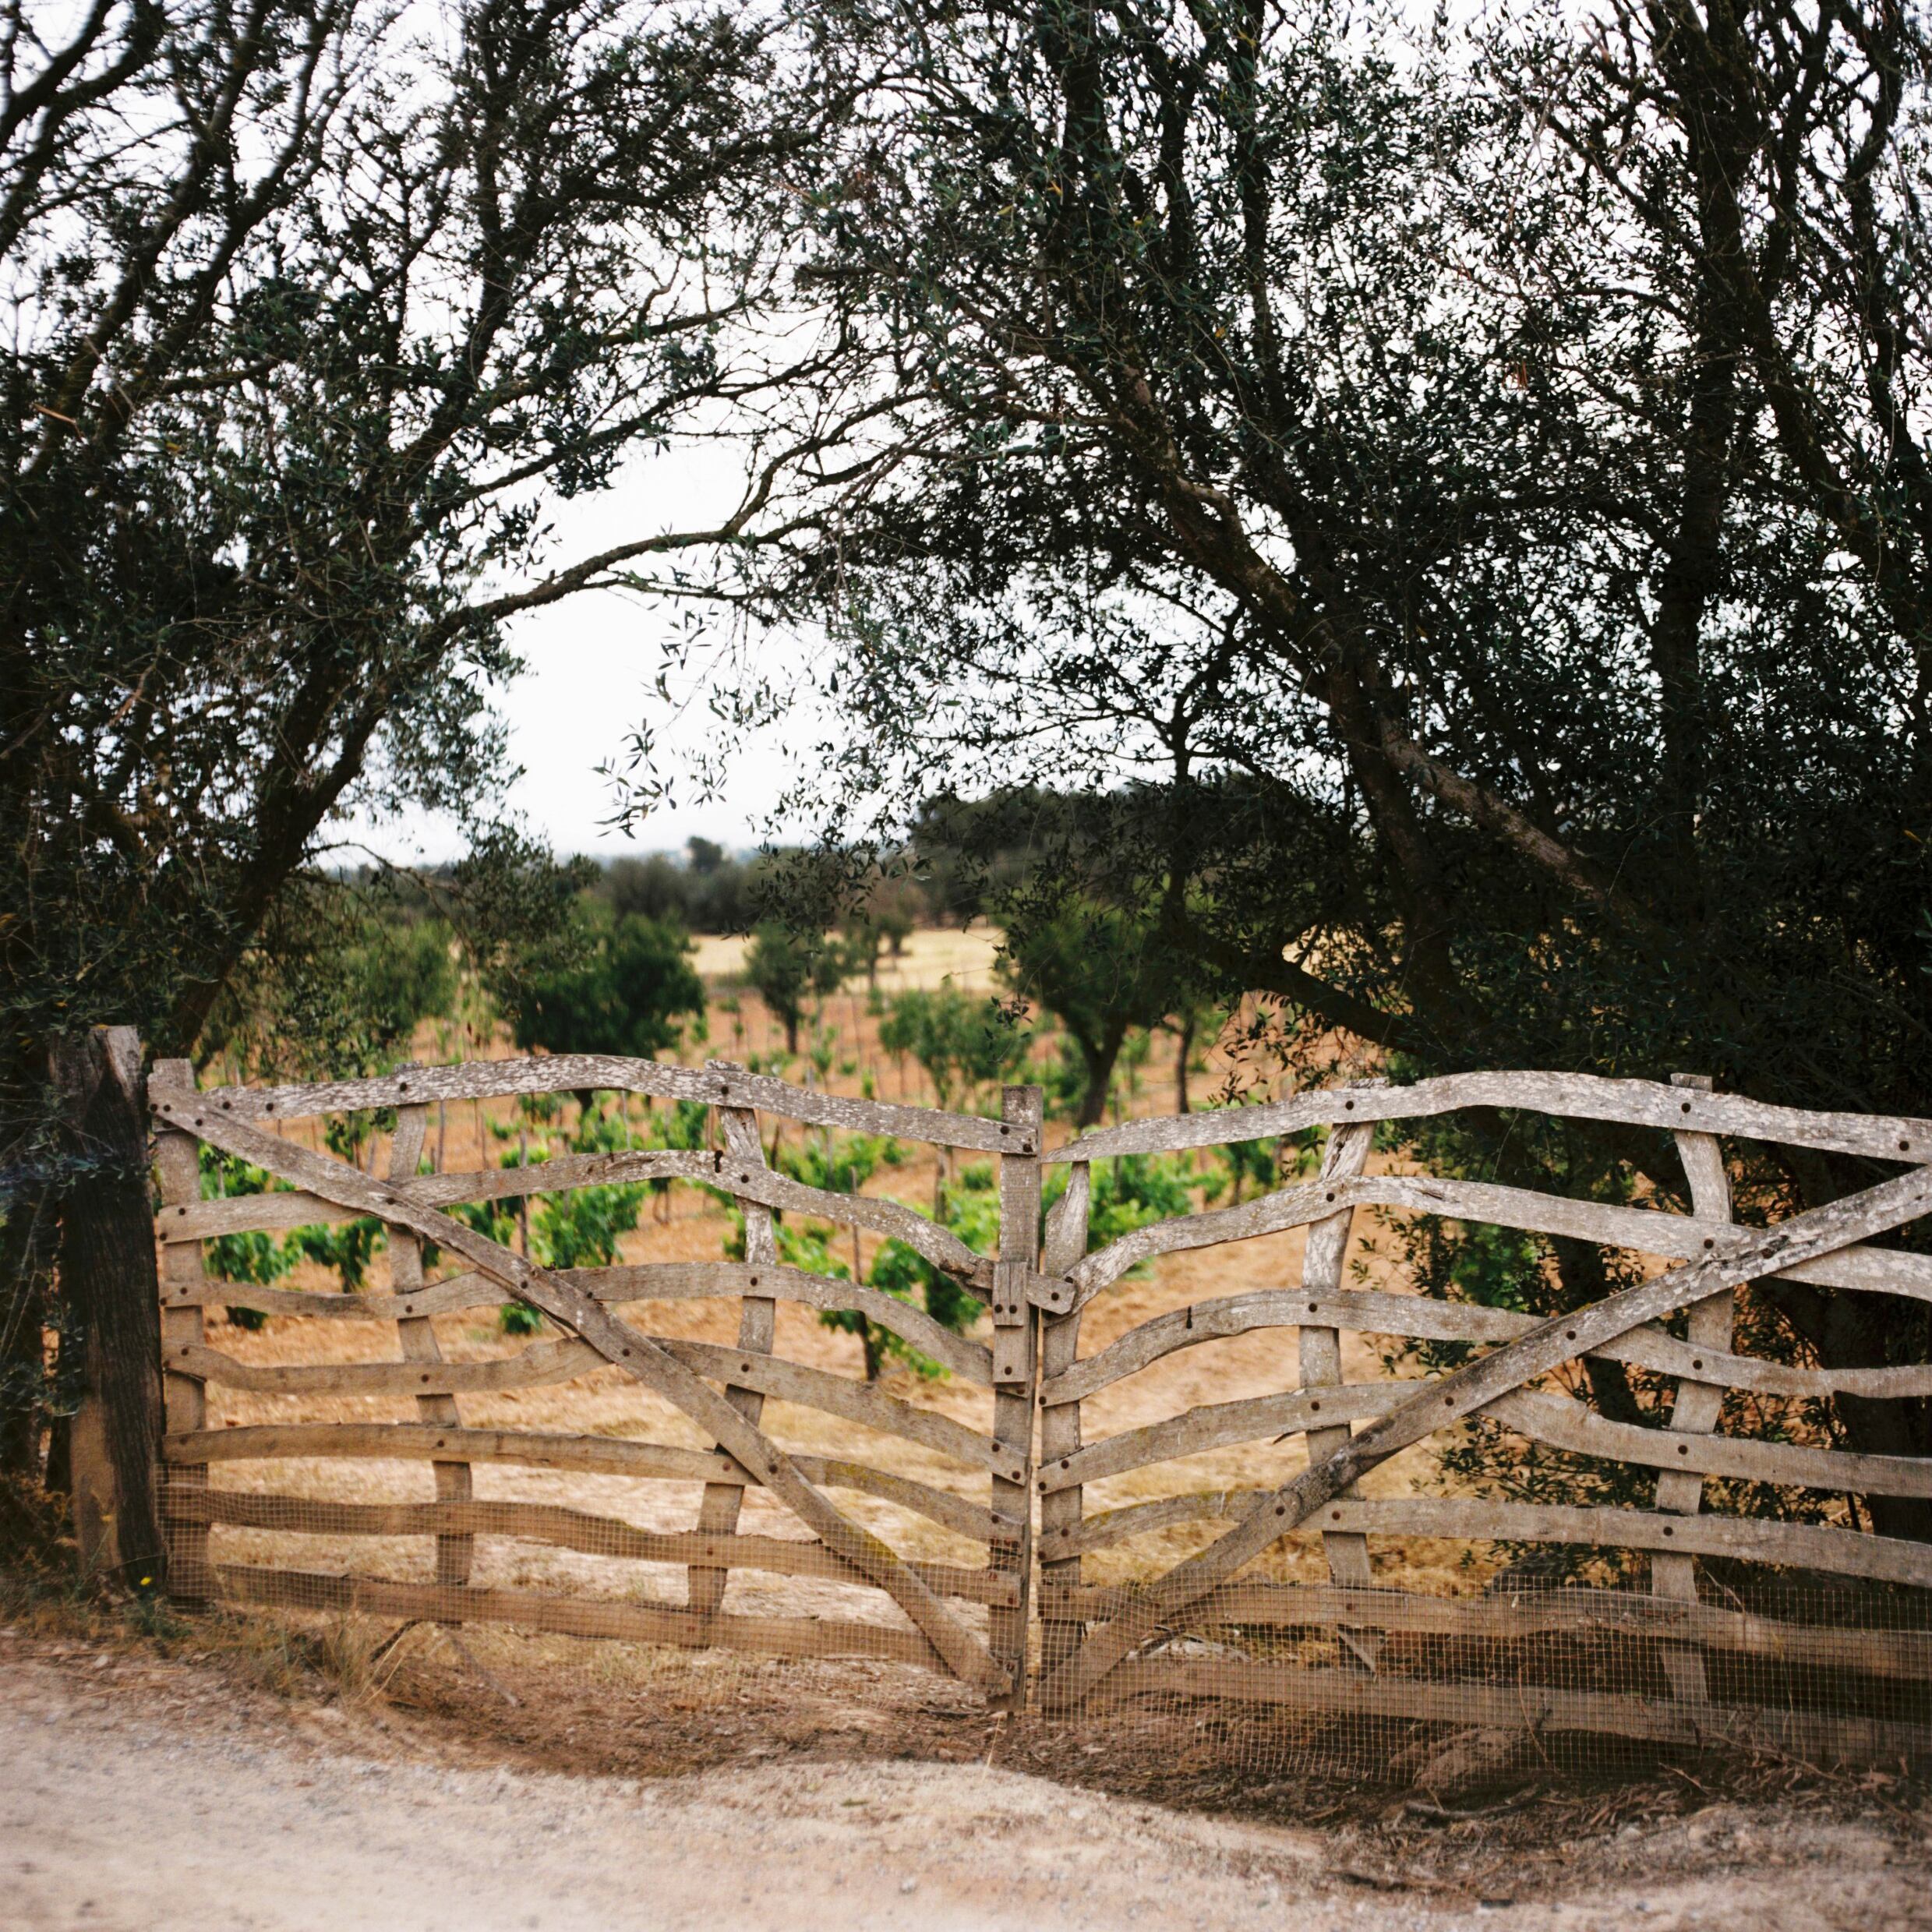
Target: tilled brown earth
145, 1791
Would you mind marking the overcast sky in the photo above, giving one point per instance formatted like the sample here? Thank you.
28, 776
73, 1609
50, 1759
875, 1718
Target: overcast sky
593, 662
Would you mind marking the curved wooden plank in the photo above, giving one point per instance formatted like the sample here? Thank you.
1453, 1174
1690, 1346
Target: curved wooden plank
1473, 1519
1544, 1347
860, 1402
1564, 1424
1422, 1317
243, 1213
1871, 1270
543, 1363
536, 1366
1581, 1097
619, 1287
563, 1073
571, 1616
1266, 1214
561, 1528
1215, 1424
1813, 1737
919, 1232
963, 1652
1567, 1611
600, 1455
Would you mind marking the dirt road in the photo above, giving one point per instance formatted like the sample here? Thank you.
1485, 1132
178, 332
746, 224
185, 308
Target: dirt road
143, 1793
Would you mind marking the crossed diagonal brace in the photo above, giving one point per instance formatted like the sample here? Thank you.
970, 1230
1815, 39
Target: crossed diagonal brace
619, 1343
1438, 1402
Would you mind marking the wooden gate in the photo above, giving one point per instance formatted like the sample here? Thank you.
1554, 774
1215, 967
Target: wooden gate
721, 1390
1097, 1642
1114, 1644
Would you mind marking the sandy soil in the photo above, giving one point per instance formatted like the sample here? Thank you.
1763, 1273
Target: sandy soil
147, 1792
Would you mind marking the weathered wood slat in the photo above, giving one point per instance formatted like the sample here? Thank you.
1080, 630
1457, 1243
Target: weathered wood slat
1564, 1424
1814, 1737
961, 1649
1804, 1237
1422, 1317
184, 1398
1749, 1539
571, 1616
620, 1287
543, 1363
718, 1509
600, 1455
243, 1213
561, 1528
415, 1335
1216, 1424
1319, 1350
1060, 1438
1676, 1236
1583, 1096
562, 1073
1905, 1655
1015, 1372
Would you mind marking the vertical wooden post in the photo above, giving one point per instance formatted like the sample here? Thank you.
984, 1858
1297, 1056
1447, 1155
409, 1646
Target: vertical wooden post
757, 1331
108, 1279
177, 1159
416, 1336
1023, 1115
1060, 1424
1695, 1410
1327, 1249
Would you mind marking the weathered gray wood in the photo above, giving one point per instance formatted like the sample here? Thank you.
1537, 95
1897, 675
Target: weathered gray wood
1217, 1424
1022, 1110
1872, 1270
1582, 1096
961, 1649
620, 1287
416, 1336
1320, 1350
561, 1528
718, 1510
1813, 1737
600, 1455
755, 1181
1709, 1325
1570, 1610
243, 1213
567, 1073
544, 1363
1564, 1424
573, 1616
1546, 1347
184, 1399
1060, 1510
1748, 1539
1422, 1317
109, 1287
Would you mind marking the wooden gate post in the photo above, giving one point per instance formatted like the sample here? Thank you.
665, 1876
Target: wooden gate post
109, 1281
1015, 1359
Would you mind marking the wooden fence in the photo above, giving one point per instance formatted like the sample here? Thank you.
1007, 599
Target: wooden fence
1025, 1470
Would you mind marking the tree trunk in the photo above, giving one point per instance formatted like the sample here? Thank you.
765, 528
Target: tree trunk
109, 1282
26, 1253
1181, 1061
1100, 1055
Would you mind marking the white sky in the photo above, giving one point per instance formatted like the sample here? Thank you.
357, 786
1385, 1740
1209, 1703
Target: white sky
593, 661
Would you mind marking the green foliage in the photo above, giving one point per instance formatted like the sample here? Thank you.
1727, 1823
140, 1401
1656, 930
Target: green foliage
963, 1043
622, 984
1101, 973
255, 1257
579, 1227
789, 968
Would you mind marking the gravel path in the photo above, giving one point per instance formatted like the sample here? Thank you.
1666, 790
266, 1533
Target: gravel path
138, 1794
